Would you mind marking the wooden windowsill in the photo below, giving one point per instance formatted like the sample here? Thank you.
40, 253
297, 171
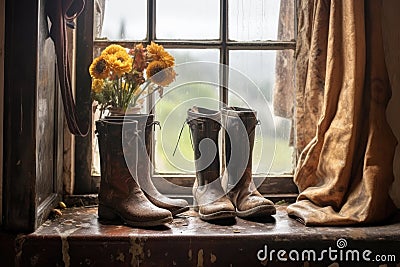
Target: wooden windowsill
77, 239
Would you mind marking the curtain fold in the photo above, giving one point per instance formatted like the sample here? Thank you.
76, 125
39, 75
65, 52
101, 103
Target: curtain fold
345, 169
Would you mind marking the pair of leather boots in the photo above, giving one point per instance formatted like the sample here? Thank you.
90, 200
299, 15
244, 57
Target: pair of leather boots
127, 193
234, 193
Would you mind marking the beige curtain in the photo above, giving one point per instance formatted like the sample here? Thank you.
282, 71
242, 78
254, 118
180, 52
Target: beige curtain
342, 89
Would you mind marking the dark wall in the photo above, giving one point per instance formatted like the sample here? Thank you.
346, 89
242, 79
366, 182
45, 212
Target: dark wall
31, 117
391, 34
2, 15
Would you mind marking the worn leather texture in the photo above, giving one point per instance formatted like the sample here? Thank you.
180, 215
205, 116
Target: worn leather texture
239, 127
208, 194
146, 126
120, 197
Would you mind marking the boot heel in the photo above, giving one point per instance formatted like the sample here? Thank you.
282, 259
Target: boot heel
107, 215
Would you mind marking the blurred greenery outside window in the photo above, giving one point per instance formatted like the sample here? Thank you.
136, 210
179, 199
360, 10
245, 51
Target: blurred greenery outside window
255, 38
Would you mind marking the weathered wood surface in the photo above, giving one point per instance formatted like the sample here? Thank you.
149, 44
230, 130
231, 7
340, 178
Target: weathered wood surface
78, 239
31, 118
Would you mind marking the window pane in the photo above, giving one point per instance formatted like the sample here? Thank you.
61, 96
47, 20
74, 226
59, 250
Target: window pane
190, 19
251, 20
272, 153
195, 84
124, 20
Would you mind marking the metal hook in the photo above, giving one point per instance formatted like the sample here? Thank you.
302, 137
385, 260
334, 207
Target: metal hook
154, 123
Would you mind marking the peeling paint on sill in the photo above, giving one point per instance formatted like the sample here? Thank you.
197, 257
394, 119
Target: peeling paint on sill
65, 245
200, 258
137, 250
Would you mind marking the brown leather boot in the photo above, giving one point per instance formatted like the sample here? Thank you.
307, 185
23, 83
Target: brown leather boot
239, 124
145, 127
120, 197
210, 199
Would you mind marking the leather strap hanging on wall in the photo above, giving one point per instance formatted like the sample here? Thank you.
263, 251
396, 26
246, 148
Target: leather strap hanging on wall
61, 14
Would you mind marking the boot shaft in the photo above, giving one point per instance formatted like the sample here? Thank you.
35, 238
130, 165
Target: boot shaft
204, 126
145, 140
145, 125
118, 144
239, 128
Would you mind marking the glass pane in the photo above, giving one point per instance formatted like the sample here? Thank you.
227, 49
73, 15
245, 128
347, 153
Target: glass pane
272, 151
196, 84
190, 19
251, 20
123, 19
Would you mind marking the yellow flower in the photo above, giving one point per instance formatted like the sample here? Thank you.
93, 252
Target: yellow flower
99, 68
119, 73
155, 67
97, 85
160, 74
157, 53
120, 62
112, 49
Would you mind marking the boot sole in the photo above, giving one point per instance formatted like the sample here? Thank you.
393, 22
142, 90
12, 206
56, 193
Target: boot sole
110, 216
257, 212
148, 224
213, 216
220, 215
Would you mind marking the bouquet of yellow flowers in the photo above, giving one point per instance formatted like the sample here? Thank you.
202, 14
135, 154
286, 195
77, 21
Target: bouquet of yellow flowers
122, 78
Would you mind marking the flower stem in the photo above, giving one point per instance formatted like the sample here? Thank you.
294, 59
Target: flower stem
146, 84
120, 93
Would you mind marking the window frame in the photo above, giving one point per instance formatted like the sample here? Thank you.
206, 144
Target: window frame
280, 186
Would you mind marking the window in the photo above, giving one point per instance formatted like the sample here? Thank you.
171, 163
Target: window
246, 36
